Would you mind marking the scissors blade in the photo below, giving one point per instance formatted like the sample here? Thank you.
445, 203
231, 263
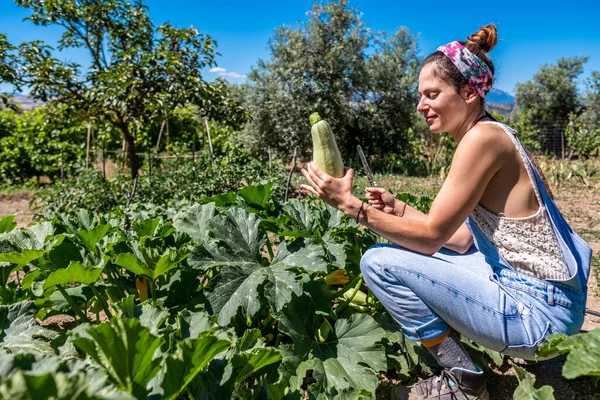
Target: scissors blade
366, 167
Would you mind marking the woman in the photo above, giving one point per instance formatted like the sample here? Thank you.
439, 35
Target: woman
526, 276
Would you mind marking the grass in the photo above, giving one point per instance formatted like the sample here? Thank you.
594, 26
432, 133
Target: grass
394, 183
16, 189
596, 270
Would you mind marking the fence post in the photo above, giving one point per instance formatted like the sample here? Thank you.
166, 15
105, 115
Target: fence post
104, 158
287, 186
270, 164
149, 164
162, 126
212, 160
167, 132
62, 167
87, 149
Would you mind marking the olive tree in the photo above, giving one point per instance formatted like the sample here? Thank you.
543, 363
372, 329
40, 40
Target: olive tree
136, 73
8, 67
550, 98
363, 83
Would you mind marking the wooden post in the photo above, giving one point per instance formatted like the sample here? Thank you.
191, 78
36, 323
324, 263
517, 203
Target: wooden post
149, 163
87, 150
287, 186
62, 167
123, 155
269, 151
162, 126
193, 150
209, 141
167, 125
562, 145
104, 159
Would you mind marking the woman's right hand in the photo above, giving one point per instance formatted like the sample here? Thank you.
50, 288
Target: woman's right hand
381, 199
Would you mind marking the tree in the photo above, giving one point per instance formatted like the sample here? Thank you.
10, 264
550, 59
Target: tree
363, 83
591, 101
549, 98
8, 67
136, 73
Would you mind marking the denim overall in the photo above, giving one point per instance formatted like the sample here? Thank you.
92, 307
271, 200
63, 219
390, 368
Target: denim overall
478, 293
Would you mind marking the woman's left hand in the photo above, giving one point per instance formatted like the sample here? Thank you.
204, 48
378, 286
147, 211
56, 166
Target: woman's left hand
334, 191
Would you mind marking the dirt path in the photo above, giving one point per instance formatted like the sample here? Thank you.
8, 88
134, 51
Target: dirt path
18, 204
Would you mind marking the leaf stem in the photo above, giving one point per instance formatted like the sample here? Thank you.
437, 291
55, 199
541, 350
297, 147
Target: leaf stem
269, 248
349, 286
153, 292
344, 304
101, 300
72, 303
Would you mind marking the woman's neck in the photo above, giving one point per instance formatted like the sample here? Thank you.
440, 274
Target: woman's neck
469, 122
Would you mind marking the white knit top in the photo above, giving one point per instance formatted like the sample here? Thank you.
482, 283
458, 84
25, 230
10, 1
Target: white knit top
528, 244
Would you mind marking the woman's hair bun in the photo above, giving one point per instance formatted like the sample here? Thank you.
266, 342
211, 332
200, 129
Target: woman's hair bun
485, 38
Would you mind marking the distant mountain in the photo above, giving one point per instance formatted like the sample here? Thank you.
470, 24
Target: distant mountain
26, 103
500, 97
500, 101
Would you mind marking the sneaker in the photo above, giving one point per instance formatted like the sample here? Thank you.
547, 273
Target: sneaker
453, 384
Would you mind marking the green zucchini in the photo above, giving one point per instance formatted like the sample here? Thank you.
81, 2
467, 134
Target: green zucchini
326, 154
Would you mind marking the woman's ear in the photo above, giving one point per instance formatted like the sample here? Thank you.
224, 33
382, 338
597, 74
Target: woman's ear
469, 94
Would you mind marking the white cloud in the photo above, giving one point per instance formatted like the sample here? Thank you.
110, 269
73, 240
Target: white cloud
223, 72
234, 75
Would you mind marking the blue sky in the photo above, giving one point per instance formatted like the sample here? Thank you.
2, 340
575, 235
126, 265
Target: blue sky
532, 33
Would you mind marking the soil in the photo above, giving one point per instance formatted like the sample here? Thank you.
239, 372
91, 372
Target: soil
580, 205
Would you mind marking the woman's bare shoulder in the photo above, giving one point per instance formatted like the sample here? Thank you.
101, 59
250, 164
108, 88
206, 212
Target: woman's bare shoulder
488, 138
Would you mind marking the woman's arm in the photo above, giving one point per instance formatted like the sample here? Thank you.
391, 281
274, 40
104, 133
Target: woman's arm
475, 162
460, 242
383, 200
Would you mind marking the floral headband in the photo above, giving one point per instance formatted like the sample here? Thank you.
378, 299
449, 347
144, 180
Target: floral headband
477, 73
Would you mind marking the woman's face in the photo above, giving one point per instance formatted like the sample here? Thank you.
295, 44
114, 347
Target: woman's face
443, 108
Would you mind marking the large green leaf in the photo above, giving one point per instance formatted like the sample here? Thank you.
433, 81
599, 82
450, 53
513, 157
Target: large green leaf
360, 334
90, 238
257, 196
238, 230
299, 321
301, 214
81, 384
235, 288
131, 263
54, 386
526, 389
191, 356
302, 254
7, 223
347, 366
252, 361
194, 221
125, 349
146, 227
75, 272
169, 260
26, 245
20, 332
192, 324
149, 260
584, 356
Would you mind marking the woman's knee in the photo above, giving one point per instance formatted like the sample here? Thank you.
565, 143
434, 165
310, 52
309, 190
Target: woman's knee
370, 262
